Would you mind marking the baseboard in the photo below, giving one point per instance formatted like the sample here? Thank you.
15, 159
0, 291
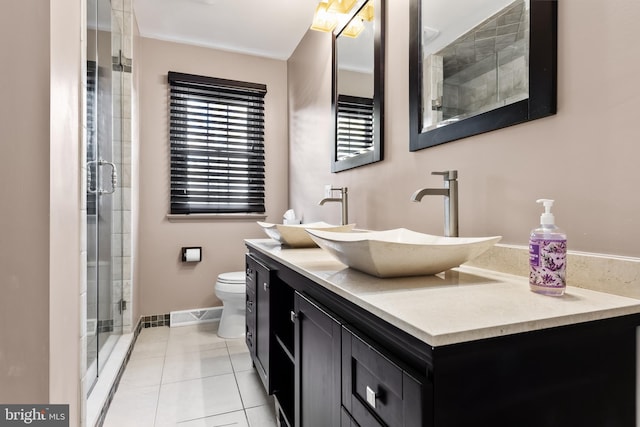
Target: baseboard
195, 316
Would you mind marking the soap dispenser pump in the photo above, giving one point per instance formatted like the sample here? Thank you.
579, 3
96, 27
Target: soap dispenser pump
547, 255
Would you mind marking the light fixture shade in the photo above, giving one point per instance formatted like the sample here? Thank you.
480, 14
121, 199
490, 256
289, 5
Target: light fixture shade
354, 28
367, 13
341, 6
323, 20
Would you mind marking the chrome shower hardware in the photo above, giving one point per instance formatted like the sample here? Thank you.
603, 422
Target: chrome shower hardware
114, 177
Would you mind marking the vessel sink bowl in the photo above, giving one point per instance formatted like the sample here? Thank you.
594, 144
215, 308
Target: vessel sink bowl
295, 236
400, 252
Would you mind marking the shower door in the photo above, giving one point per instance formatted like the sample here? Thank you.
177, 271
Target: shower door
103, 197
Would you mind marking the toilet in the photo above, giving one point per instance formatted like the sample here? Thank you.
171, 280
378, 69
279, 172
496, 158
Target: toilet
231, 290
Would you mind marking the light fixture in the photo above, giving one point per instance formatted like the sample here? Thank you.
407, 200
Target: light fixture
356, 25
323, 20
367, 13
354, 28
341, 6
330, 13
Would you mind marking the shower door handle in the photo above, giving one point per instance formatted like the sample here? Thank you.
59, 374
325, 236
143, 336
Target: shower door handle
99, 189
114, 176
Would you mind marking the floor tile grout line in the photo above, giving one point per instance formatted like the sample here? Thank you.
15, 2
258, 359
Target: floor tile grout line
233, 348
155, 414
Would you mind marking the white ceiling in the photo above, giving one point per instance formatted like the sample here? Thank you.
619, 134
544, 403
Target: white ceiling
271, 28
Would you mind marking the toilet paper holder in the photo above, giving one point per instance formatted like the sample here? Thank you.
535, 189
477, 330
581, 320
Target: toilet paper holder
192, 254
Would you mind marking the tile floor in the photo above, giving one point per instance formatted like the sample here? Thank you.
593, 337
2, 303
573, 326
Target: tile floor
188, 376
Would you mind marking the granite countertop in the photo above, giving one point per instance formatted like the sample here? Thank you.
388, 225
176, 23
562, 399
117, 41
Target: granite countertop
459, 305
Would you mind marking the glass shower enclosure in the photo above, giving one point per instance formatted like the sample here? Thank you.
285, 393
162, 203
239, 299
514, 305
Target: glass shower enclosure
103, 196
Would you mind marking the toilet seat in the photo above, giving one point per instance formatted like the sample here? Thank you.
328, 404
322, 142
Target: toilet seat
233, 282
235, 277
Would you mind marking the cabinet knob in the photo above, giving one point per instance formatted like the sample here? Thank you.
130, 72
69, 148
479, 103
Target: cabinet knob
371, 397
294, 316
265, 285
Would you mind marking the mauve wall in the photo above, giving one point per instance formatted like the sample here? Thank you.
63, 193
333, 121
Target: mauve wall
40, 222
24, 221
165, 283
585, 157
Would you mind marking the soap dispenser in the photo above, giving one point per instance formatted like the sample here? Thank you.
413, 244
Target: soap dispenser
547, 255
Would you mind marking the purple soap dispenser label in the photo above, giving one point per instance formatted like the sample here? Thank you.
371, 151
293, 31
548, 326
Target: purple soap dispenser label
534, 253
548, 260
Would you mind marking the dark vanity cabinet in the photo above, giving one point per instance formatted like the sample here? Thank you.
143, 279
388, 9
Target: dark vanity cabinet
258, 315
317, 365
270, 333
376, 391
321, 368
329, 362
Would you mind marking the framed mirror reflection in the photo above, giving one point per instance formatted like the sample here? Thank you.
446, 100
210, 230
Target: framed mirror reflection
479, 66
357, 89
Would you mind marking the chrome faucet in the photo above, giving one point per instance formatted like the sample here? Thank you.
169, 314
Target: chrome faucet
450, 193
343, 200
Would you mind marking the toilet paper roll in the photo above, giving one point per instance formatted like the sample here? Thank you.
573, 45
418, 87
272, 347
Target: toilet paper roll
191, 255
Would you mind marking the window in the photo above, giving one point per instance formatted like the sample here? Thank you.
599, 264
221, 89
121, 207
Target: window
217, 145
355, 126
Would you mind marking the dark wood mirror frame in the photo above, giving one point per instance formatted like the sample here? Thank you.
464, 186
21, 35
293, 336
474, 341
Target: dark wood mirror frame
542, 81
376, 154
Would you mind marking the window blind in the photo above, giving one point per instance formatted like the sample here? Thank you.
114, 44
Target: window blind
355, 126
217, 145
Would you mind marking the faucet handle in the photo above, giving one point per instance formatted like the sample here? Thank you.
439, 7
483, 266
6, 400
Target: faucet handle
447, 175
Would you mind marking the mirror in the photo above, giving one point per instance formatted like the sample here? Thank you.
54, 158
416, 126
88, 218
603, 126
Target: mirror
479, 66
357, 101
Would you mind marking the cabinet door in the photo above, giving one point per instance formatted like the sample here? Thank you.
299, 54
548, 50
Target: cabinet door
346, 420
250, 314
375, 390
317, 364
258, 292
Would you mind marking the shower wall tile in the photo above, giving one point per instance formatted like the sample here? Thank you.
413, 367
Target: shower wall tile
117, 104
116, 268
126, 245
126, 200
126, 318
116, 290
116, 224
125, 175
126, 289
127, 49
126, 136
126, 105
126, 218
116, 243
126, 267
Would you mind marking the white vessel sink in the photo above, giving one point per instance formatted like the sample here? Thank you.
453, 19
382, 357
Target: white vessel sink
295, 236
400, 252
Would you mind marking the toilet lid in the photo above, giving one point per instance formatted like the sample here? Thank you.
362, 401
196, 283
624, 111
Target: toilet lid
233, 278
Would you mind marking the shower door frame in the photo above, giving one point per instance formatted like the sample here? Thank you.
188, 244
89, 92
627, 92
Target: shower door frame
104, 243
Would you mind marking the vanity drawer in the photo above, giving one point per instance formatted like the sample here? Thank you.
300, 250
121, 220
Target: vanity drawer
258, 318
347, 421
376, 391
